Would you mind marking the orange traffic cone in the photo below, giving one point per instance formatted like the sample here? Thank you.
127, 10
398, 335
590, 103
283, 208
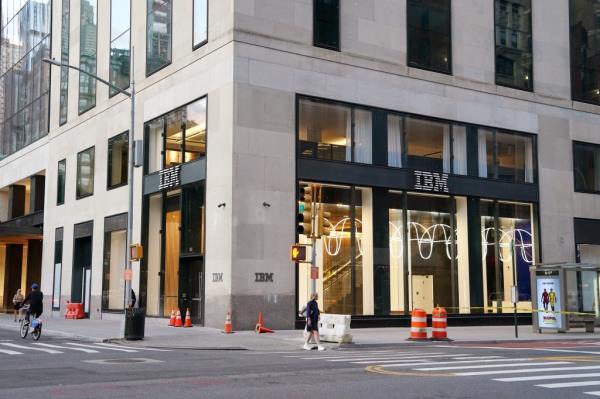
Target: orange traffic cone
172, 320
228, 328
178, 319
259, 326
188, 319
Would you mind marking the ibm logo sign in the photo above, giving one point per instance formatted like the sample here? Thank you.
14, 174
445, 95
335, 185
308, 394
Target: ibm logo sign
431, 181
169, 178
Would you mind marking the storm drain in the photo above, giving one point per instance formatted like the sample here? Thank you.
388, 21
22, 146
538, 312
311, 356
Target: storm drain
123, 361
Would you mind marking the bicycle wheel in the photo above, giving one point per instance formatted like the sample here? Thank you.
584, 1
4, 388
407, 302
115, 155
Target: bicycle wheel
24, 328
37, 332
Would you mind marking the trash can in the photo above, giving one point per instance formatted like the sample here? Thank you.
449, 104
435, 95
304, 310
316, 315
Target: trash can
135, 320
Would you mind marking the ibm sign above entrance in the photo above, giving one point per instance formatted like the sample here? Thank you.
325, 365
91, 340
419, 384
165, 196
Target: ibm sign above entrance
430, 181
169, 178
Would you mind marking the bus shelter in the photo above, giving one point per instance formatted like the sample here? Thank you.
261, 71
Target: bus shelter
566, 296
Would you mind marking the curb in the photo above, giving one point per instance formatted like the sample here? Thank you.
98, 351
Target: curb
469, 342
59, 334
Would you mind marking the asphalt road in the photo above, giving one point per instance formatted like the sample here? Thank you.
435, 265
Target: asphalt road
58, 368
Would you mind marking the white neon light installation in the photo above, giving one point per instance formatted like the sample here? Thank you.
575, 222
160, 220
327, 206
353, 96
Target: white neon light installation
428, 236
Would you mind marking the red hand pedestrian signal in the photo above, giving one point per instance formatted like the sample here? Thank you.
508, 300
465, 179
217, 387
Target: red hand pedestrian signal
298, 253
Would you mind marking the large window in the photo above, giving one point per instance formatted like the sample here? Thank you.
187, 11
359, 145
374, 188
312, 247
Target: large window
158, 35
181, 133
335, 132
585, 50
115, 256
429, 44
87, 54
64, 58
424, 144
586, 167
118, 155
119, 43
200, 22
24, 78
326, 25
60, 183
85, 173
514, 59
506, 156
58, 258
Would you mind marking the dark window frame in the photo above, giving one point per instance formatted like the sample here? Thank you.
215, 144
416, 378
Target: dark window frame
64, 72
112, 93
572, 66
595, 146
55, 261
320, 44
58, 201
81, 111
164, 137
388, 111
150, 73
417, 66
531, 74
109, 165
77, 195
195, 45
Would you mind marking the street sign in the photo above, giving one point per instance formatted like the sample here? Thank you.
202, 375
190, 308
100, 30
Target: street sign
298, 253
314, 273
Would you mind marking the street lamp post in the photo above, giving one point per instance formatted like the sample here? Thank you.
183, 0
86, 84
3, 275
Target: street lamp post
131, 95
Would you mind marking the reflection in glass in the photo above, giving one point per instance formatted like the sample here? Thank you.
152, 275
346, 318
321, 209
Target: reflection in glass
64, 58
85, 173
514, 59
586, 159
119, 44
87, 54
192, 207
325, 131
506, 156
25, 41
200, 22
195, 130
394, 132
174, 138
115, 252
428, 145
118, 155
60, 184
429, 44
396, 246
158, 35
584, 46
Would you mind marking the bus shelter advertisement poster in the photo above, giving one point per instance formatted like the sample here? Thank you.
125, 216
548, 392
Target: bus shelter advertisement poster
548, 302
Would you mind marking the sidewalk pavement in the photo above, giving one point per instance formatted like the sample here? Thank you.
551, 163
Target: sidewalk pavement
159, 335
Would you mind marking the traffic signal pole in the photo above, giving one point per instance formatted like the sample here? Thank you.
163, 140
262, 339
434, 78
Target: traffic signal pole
313, 240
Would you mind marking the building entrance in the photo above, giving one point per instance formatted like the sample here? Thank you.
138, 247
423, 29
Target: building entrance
82, 273
191, 281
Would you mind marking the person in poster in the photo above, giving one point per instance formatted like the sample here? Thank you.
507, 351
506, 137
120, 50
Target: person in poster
548, 303
552, 298
545, 299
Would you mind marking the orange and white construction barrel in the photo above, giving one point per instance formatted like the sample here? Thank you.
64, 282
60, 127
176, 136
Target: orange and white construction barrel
418, 325
439, 325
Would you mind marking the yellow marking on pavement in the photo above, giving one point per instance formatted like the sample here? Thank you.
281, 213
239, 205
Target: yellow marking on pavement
382, 370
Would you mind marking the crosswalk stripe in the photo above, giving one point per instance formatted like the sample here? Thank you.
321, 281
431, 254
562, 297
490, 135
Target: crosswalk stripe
520, 371
459, 362
489, 366
570, 384
566, 351
390, 359
594, 393
9, 352
356, 355
546, 377
51, 351
404, 360
106, 345
477, 357
66, 347
95, 347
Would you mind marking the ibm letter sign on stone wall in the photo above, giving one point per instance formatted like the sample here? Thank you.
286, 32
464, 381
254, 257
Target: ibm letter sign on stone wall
169, 178
431, 181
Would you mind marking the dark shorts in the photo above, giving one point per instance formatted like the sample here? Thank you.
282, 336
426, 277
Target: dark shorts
313, 326
18, 306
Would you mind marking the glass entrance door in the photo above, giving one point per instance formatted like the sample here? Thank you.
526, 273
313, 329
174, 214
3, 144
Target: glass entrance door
191, 280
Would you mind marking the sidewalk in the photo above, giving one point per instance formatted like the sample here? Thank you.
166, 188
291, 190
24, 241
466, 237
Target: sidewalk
159, 335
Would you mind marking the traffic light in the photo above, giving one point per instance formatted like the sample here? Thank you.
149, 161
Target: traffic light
323, 224
304, 217
298, 253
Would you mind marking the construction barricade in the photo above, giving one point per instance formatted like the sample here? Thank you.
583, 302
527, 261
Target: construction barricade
74, 311
439, 325
335, 328
418, 325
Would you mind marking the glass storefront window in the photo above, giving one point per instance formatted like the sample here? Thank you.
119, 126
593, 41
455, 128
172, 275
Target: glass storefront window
174, 139
396, 247
195, 130
428, 145
507, 251
430, 252
335, 132
506, 156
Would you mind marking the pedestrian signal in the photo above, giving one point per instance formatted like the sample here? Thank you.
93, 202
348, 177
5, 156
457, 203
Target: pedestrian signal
298, 253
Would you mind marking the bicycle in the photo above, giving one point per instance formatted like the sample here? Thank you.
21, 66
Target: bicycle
35, 324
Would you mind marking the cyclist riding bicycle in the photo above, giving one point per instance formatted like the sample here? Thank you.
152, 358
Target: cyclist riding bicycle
35, 299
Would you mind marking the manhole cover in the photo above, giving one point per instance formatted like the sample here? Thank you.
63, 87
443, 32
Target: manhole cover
122, 361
